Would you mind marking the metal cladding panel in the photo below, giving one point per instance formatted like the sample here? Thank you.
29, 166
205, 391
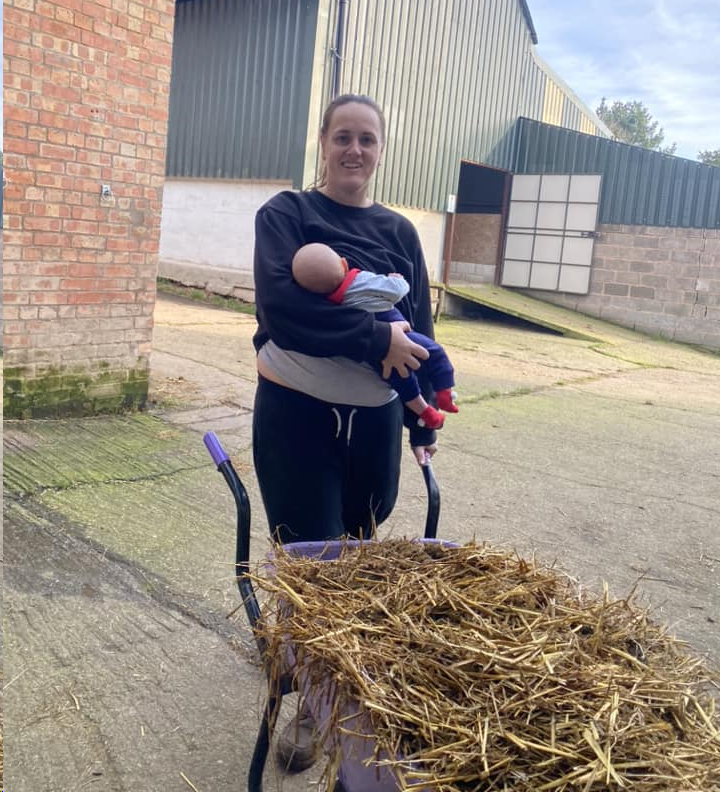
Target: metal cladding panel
640, 187
560, 105
570, 116
240, 88
451, 78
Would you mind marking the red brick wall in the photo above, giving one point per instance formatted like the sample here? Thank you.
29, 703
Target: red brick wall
86, 87
475, 242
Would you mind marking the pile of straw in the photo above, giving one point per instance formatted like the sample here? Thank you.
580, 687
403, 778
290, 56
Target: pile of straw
482, 671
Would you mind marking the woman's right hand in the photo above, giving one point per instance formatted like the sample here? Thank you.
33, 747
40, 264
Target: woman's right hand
403, 353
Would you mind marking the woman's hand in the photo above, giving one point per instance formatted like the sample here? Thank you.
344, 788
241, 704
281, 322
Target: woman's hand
423, 454
403, 353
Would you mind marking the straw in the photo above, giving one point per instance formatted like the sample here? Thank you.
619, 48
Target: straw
479, 670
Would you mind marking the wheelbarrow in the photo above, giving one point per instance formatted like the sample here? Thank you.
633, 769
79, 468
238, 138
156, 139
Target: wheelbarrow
252, 608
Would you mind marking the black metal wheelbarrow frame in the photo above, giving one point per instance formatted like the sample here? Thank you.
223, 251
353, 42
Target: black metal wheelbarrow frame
252, 608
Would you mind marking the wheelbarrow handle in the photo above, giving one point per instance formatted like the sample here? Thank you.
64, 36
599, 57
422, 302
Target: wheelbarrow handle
242, 503
242, 547
433, 508
214, 446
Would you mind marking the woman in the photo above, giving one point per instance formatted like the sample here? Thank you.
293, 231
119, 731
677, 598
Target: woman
327, 430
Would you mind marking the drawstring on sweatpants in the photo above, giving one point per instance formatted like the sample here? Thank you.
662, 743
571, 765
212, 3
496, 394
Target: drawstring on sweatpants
338, 418
350, 420
339, 421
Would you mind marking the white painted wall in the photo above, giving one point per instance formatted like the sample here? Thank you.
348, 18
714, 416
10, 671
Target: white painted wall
207, 233
431, 227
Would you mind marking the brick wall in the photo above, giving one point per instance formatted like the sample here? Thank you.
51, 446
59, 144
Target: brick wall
661, 281
86, 86
475, 247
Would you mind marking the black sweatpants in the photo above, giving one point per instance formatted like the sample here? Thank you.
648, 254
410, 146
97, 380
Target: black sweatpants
324, 469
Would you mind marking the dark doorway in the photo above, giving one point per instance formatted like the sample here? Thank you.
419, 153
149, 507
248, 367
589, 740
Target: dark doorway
474, 236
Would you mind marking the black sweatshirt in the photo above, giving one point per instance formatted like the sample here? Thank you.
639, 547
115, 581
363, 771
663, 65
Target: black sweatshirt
373, 238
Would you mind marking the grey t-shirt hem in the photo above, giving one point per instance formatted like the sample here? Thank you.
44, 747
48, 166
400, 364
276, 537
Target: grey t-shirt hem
338, 380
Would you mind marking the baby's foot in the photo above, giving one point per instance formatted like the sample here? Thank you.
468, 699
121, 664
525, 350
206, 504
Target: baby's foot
431, 418
446, 400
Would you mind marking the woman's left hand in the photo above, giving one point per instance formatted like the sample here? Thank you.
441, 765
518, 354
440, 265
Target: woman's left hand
403, 354
423, 454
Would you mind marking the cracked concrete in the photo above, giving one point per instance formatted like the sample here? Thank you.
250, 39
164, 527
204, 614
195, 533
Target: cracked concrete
127, 663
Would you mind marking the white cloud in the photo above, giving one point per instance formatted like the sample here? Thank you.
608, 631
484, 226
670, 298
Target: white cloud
661, 53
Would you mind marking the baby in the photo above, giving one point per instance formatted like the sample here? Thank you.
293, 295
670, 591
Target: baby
320, 269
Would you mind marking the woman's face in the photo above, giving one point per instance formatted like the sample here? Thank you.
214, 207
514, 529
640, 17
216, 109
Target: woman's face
351, 149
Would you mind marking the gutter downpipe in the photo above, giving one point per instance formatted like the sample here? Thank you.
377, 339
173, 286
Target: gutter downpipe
337, 51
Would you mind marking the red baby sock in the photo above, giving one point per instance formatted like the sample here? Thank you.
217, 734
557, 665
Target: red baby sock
431, 418
446, 400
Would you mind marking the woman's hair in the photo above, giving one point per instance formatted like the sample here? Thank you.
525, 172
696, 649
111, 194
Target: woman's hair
339, 101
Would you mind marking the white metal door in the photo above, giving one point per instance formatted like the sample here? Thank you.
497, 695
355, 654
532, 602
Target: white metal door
551, 231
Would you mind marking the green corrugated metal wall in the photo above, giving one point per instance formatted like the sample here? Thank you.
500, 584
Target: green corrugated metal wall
640, 187
240, 88
452, 77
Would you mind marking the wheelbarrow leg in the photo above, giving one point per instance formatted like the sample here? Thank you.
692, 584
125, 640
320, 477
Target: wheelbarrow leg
262, 744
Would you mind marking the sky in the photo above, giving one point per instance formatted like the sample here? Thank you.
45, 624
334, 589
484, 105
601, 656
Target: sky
663, 53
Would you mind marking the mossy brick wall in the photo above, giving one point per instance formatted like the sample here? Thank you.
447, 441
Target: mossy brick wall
661, 281
86, 88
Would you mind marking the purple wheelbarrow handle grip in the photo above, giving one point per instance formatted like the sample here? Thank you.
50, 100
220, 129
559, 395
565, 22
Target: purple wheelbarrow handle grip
217, 452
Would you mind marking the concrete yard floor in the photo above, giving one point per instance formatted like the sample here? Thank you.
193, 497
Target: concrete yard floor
127, 665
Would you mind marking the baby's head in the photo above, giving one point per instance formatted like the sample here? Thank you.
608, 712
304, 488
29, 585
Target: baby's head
318, 268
